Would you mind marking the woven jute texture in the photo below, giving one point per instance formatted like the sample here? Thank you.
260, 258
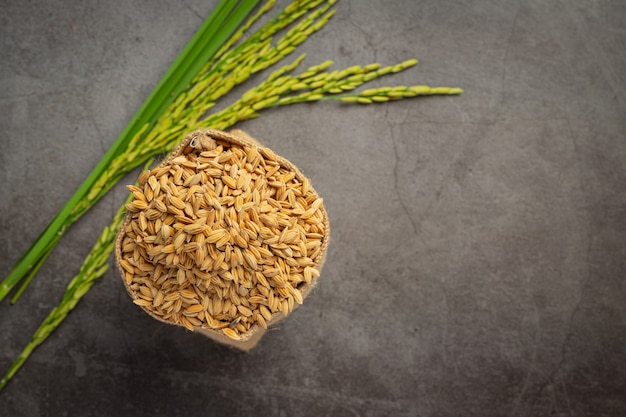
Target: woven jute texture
198, 142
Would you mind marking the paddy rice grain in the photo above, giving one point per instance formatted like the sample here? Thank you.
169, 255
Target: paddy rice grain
222, 239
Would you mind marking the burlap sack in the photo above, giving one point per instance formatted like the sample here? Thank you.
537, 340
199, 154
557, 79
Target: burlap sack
200, 141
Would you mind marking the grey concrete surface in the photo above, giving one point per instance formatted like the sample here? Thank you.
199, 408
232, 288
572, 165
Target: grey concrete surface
479, 242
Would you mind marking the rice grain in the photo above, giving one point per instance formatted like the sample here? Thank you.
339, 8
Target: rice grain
223, 238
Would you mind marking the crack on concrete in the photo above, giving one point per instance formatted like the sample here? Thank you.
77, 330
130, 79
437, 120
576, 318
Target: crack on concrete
509, 45
97, 128
446, 327
567, 402
531, 365
194, 12
566, 340
584, 282
434, 202
366, 37
395, 171
124, 332
91, 118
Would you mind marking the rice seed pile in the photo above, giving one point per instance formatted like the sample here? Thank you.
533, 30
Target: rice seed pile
222, 239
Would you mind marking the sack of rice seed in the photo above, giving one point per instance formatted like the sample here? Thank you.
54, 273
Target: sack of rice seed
224, 238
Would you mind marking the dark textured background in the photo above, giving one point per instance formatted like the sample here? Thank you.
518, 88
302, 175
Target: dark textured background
479, 242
